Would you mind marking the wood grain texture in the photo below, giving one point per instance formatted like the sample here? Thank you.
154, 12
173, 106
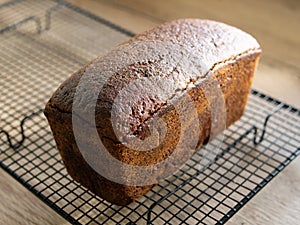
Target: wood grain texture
20, 207
117, 14
279, 81
278, 203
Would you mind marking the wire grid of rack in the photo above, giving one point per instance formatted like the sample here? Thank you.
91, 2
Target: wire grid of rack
43, 42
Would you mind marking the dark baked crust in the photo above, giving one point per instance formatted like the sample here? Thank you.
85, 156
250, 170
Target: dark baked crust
234, 73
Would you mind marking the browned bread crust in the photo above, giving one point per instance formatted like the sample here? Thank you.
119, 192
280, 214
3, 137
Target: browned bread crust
226, 55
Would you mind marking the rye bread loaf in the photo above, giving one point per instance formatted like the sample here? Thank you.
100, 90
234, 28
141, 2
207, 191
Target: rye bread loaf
193, 58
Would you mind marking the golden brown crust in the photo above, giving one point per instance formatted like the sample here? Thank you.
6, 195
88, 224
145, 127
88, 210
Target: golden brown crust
234, 73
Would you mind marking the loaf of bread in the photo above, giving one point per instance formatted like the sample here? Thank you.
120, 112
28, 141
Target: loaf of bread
136, 114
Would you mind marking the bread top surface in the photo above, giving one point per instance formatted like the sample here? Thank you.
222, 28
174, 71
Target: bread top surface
172, 57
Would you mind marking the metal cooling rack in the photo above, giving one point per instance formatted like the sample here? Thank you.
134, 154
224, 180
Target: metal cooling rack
43, 42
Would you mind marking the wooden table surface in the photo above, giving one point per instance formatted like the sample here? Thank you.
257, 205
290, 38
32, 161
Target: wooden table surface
274, 23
